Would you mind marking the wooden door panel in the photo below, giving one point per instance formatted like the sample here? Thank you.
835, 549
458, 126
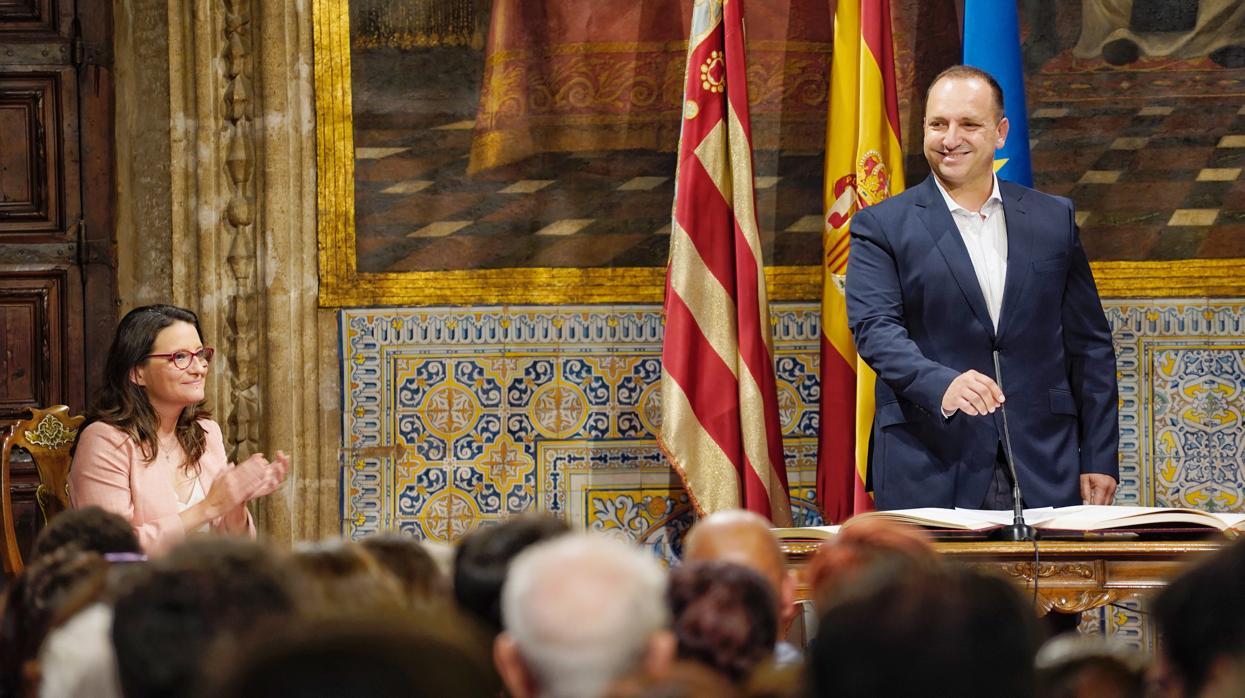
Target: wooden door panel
19, 366
18, 181
29, 16
19, 353
30, 153
38, 150
57, 265
32, 348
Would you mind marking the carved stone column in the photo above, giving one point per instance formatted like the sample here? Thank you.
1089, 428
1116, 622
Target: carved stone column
242, 316
234, 105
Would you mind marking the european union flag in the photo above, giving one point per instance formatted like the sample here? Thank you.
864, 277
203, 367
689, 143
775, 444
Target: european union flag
992, 43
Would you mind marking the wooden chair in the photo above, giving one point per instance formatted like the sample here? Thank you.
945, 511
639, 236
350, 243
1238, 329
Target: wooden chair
48, 436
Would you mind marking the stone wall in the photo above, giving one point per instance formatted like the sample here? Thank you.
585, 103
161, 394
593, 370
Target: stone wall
216, 212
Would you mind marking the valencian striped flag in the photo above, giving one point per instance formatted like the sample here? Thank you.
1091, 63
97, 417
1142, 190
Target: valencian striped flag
864, 164
719, 408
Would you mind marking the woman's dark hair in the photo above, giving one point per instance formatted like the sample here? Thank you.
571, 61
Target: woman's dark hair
1201, 617
483, 559
725, 616
172, 613
962, 632
416, 656
124, 404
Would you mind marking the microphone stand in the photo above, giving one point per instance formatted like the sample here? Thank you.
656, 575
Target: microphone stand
1018, 530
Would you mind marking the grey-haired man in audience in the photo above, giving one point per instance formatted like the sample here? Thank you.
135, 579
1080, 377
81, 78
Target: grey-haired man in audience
580, 612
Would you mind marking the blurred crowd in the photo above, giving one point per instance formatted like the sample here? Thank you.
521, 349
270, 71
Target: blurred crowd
529, 607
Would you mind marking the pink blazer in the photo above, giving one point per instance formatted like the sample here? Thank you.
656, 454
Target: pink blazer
109, 471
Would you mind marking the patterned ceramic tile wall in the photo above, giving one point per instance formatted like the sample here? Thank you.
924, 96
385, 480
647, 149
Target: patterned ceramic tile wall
1181, 369
455, 418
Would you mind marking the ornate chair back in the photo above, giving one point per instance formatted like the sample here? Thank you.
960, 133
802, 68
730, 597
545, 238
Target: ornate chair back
48, 436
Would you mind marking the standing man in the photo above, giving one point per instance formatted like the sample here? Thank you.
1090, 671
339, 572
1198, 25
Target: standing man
948, 272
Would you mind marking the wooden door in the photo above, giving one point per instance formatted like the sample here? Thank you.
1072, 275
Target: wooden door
57, 275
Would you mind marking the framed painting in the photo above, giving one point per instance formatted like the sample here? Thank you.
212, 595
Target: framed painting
477, 152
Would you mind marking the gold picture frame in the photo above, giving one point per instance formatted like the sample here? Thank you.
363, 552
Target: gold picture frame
343, 285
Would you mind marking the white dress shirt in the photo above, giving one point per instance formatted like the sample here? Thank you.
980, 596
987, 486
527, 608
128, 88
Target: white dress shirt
985, 235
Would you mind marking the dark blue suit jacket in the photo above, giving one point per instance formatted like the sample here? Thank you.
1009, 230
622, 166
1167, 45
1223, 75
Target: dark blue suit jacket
919, 319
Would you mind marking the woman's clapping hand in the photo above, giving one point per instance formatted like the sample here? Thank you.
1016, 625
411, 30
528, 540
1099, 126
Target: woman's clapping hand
252, 478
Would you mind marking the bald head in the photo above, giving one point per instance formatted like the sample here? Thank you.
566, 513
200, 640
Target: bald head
737, 536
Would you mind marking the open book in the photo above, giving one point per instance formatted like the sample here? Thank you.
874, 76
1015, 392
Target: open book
1078, 518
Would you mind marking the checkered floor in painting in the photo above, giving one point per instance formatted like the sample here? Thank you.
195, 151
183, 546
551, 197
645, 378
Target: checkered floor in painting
419, 210
1154, 177
1156, 182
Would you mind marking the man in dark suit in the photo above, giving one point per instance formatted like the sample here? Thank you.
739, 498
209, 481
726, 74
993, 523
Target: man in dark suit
948, 272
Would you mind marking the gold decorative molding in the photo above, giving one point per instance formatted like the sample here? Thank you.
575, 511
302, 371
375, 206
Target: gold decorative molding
1077, 601
51, 433
342, 284
1186, 278
1027, 571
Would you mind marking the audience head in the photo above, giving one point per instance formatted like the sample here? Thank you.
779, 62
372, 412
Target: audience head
175, 611
484, 556
900, 630
744, 538
1201, 620
1078, 666
723, 617
422, 657
91, 530
407, 561
580, 612
861, 547
47, 588
340, 578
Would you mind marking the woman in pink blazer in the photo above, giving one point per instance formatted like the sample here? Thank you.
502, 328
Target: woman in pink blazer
150, 452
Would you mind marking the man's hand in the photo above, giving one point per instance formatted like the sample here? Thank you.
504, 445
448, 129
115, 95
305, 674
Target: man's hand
1097, 488
972, 393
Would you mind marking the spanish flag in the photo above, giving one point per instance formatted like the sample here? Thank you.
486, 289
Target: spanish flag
864, 164
719, 402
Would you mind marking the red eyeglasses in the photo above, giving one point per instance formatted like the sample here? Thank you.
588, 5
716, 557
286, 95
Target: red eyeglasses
182, 359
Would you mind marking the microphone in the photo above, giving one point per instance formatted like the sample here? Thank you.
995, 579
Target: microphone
1018, 530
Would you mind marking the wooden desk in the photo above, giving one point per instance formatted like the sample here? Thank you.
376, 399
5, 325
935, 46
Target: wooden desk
1072, 576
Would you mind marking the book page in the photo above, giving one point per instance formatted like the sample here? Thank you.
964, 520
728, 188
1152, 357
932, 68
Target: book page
805, 532
1091, 517
1085, 517
935, 517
